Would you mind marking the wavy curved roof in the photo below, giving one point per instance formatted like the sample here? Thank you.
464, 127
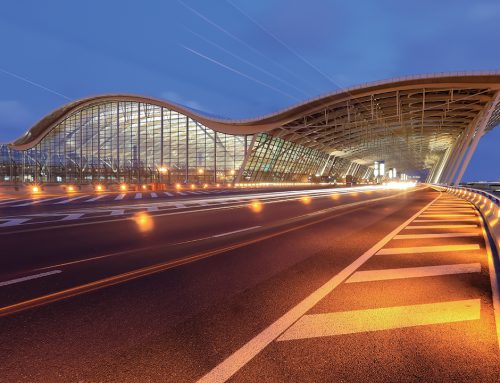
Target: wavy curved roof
408, 121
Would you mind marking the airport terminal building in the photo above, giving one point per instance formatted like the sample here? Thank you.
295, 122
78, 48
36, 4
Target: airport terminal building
430, 123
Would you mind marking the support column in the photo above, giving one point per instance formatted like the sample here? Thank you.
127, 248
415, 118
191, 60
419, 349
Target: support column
459, 153
441, 165
478, 134
248, 153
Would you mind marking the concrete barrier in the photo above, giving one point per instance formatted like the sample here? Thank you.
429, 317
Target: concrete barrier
487, 203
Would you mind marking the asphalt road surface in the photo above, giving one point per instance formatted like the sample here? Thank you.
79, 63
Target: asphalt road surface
319, 285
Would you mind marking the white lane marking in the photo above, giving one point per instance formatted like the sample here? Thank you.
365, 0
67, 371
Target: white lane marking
202, 203
429, 215
70, 200
448, 220
14, 222
228, 367
448, 211
152, 208
117, 212
96, 198
315, 213
235, 231
427, 249
452, 203
179, 205
28, 278
386, 318
429, 236
439, 227
138, 196
168, 194
413, 272
36, 201
70, 217
181, 193
120, 196
154, 195
8, 200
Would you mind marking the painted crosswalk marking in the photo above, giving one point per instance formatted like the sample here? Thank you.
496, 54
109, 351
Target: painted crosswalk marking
138, 196
70, 200
120, 196
386, 318
413, 272
37, 201
411, 227
154, 195
168, 194
72, 216
427, 249
14, 222
441, 235
96, 198
448, 220
463, 215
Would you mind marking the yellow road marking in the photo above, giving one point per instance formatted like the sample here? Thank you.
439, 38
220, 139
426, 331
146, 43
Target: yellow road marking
413, 272
427, 249
388, 318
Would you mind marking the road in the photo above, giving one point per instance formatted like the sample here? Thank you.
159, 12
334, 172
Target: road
323, 285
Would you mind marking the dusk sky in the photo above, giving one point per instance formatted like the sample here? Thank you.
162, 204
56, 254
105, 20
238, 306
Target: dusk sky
234, 58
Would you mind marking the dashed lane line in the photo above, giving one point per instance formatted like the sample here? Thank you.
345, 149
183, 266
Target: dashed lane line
120, 196
138, 196
235, 231
153, 195
413, 272
30, 277
386, 318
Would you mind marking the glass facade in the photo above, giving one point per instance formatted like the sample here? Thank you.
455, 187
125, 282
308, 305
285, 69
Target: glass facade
137, 142
273, 159
128, 142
